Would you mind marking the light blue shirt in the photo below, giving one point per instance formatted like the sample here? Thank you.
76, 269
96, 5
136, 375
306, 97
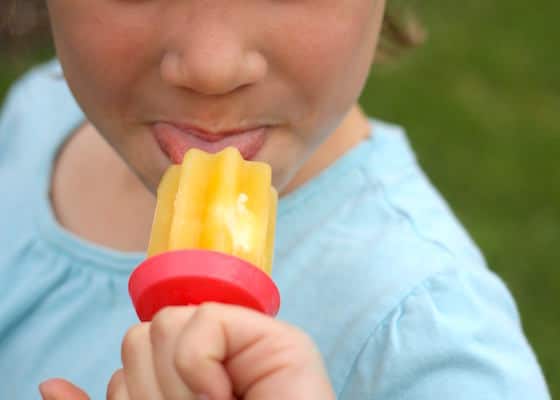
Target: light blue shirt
369, 261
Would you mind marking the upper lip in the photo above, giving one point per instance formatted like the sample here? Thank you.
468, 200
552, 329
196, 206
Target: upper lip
209, 135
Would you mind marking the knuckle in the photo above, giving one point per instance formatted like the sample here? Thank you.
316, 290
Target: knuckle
297, 335
188, 357
115, 384
306, 346
294, 335
304, 341
189, 354
134, 338
206, 311
185, 363
163, 324
293, 344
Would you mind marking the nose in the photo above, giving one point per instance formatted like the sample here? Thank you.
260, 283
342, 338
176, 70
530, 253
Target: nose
211, 59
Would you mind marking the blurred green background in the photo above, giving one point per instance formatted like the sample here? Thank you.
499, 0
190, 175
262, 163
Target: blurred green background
481, 103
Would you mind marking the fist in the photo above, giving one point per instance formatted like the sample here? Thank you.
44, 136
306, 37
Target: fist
214, 352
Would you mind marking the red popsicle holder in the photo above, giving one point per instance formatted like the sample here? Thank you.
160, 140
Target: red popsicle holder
192, 277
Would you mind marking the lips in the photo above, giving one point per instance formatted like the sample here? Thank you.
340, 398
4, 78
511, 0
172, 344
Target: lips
175, 140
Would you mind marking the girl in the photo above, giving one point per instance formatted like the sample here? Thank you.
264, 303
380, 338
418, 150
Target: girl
384, 294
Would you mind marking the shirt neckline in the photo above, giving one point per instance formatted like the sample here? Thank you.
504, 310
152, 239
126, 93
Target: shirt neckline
83, 249
63, 239
349, 161
79, 248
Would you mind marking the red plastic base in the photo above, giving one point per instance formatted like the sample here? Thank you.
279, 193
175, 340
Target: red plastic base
186, 277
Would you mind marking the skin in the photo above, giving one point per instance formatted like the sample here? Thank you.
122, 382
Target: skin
234, 353
297, 65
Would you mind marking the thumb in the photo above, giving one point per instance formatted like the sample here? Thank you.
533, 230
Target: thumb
60, 389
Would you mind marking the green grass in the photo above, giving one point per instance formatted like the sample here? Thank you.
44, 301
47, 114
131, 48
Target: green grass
15, 59
480, 102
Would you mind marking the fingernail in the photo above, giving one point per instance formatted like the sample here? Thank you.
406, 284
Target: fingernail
202, 397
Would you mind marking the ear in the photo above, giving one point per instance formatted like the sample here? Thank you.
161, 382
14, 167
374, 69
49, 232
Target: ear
60, 389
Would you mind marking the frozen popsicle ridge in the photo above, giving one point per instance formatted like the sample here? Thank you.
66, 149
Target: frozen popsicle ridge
217, 202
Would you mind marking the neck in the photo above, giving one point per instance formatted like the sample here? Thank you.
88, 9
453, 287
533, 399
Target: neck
117, 212
354, 128
95, 195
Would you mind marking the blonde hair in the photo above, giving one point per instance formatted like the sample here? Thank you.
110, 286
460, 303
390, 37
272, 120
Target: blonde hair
401, 31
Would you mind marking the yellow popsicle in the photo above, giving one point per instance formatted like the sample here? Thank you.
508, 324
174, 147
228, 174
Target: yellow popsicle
217, 202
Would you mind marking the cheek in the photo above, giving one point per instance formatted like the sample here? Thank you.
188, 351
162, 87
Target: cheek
330, 55
92, 43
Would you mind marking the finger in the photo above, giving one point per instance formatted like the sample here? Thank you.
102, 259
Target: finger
139, 374
116, 389
60, 389
165, 329
268, 359
261, 356
205, 344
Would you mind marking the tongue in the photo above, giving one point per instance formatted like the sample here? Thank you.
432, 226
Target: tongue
176, 143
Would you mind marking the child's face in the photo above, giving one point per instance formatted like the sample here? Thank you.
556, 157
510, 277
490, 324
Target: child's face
294, 67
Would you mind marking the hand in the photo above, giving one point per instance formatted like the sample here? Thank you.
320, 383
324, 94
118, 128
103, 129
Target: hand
214, 352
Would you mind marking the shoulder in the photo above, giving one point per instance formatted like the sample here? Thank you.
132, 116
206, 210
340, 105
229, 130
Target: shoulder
387, 231
405, 190
37, 115
456, 334
46, 75
393, 256
41, 89
38, 109
395, 231
436, 322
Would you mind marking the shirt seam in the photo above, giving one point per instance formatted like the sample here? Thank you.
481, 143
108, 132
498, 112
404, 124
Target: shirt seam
412, 168
81, 262
375, 182
422, 285
317, 185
